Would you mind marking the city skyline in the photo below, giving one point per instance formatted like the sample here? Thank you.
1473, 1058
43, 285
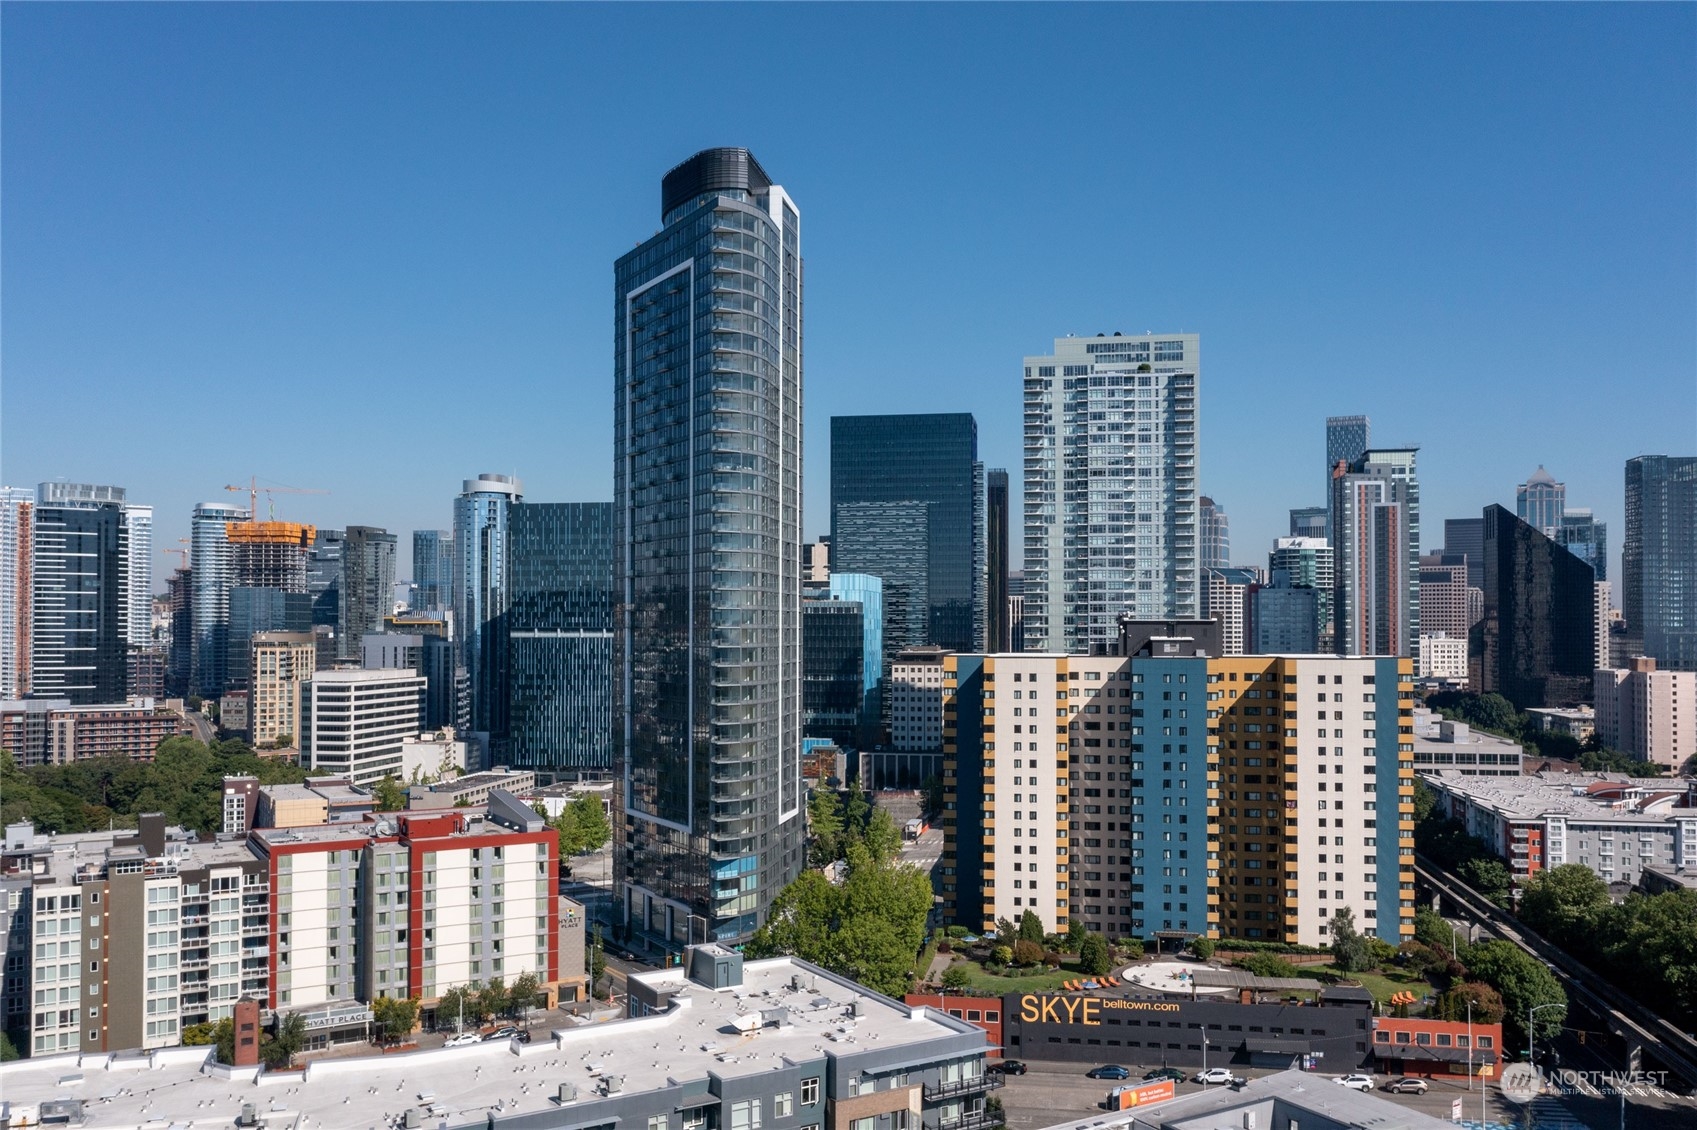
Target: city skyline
217, 298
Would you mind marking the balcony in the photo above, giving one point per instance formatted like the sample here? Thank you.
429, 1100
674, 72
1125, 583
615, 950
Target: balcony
972, 1120
936, 1092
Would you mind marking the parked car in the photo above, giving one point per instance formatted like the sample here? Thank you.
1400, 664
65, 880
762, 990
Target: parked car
1406, 1085
1009, 1067
1172, 1073
1355, 1082
463, 1039
523, 1037
505, 1032
1109, 1071
1216, 1075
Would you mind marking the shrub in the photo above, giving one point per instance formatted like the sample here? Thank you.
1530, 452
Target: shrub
956, 977
957, 932
1001, 955
1267, 965
1027, 953
1052, 959
945, 946
1203, 948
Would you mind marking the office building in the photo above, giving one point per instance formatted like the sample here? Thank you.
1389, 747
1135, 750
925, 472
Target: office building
145, 671
281, 662
210, 559
53, 731
1578, 722
1225, 597
1307, 563
179, 662
833, 672
432, 570
1284, 620
1537, 641
795, 1070
471, 790
908, 507
1376, 553
708, 739
352, 723
1647, 713
1535, 822
1443, 659
1308, 522
1659, 558
424, 642
997, 516
916, 700
1213, 535
480, 591
1465, 537
257, 610
1540, 501
558, 637
324, 578
816, 562
79, 573
1347, 438
1440, 744
137, 522
17, 540
1110, 507
1051, 842
368, 586
1445, 605
1585, 538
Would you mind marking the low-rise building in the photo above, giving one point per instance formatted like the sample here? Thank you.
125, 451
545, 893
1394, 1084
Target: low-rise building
1613, 824
1578, 722
1441, 744
1443, 659
1659, 878
435, 755
51, 731
472, 790
776, 1044
1421, 1047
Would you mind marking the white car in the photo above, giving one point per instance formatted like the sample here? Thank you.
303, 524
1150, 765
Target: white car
1216, 1075
1355, 1082
464, 1039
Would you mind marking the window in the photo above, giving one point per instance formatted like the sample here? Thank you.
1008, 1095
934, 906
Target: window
745, 1115
657, 1122
783, 1105
809, 1092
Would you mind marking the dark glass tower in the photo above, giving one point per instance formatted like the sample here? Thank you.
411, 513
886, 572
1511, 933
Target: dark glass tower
432, 570
996, 605
907, 506
1536, 645
1659, 557
707, 346
368, 585
80, 602
558, 631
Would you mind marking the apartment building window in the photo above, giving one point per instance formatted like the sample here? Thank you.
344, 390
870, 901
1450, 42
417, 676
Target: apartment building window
783, 1105
809, 1092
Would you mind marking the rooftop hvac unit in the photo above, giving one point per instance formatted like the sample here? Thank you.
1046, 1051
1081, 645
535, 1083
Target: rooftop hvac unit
1248, 1120
568, 1093
414, 1120
250, 1115
612, 1084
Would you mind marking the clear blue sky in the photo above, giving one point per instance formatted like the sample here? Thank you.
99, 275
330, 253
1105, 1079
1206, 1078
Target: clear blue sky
368, 248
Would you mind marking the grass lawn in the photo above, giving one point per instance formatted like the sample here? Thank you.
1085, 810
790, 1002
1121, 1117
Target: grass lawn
1038, 982
1383, 985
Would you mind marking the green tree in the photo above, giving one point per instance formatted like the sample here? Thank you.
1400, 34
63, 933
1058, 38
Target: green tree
1451, 1004
1425, 800
1487, 876
597, 963
1076, 931
224, 1039
1134, 948
1267, 965
1523, 983
8, 1051
455, 1003
388, 796
395, 1017
857, 810
1430, 929
1349, 948
522, 993
1006, 932
1649, 945
1565, 903
1093, 955
1027, 953
286, 1043
583, 826
1203, 948
198, 1035
956, 977
1421, 959
1031, 928
882, 838
1001, 955
825, 822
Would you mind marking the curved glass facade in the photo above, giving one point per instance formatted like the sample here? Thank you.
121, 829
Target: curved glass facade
707, 403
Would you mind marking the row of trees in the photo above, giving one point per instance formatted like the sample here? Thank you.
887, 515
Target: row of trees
1449, 844
1502, 980
839, 822
276, 1049
1647, 944
185, 781
483, 1001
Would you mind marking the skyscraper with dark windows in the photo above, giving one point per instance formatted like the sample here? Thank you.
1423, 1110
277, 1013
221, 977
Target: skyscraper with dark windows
324, 577
707, 341
1346, 438
210, 556
480, 591
80, 602
1659, 558
996, 518
368, 586
558, 636
432, 570
907, 506
1537, 642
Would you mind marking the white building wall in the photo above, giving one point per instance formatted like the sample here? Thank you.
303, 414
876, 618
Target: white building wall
1026, 788
916, 706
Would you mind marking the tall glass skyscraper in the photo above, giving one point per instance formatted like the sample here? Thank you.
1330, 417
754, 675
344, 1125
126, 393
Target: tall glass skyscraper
997, 515
1346, 438
886, 473
480, 591
1376, 553
707, 344
1540, 501
80, 597
368, 585
432, 570
1110, 487
558, 633
209, 553
1585, 538
1659, 557
1213, 534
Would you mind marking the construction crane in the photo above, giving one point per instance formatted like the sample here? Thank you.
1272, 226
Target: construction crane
185, 553
253, 490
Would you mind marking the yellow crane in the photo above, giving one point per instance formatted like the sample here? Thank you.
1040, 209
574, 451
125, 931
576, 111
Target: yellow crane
253, 490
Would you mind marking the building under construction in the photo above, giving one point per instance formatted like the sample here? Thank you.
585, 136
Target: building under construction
269, 555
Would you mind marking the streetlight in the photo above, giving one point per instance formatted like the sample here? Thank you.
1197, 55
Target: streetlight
1469, 1043
1204, 1057
1531, 1014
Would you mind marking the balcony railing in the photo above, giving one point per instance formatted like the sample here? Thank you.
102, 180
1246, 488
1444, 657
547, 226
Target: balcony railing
972, 1120
939, 1091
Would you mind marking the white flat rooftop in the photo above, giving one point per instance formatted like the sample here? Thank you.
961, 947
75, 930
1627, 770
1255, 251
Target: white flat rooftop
460, 1086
